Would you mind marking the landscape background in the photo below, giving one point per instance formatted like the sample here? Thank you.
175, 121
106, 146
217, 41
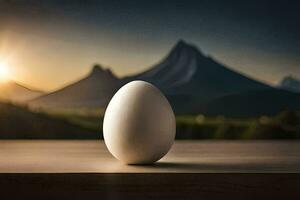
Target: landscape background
229, 72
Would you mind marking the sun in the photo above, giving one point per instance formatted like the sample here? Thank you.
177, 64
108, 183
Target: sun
4, 73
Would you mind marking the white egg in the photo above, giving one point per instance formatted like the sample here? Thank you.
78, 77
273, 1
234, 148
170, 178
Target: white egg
139, 124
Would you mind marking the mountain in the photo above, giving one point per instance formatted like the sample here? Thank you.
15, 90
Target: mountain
93, 91
196, 83
193, 83
19, 123
187, 71
14, 92
290, 83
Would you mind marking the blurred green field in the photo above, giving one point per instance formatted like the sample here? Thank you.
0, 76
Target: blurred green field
18, 122
285, 125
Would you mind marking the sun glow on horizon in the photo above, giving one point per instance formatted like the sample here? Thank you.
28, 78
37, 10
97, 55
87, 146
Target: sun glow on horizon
4, 73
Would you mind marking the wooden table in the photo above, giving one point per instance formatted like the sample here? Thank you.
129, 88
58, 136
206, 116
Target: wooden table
191, 170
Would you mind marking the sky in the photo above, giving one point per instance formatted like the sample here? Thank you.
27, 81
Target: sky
48, 44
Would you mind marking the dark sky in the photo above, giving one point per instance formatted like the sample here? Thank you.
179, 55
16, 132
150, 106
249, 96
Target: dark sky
258, 38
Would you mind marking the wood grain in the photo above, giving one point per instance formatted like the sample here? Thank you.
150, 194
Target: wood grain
184, 157
192, 170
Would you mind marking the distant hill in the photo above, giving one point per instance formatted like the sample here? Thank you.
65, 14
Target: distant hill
14, 92
290, 83
94, 90
19, 123
192, 81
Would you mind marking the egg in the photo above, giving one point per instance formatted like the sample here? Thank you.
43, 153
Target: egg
139, 124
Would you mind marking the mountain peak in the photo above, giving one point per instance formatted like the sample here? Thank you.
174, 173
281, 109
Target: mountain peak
183, 46
290, 78
100, 71
181, 42
290, 83
97, 69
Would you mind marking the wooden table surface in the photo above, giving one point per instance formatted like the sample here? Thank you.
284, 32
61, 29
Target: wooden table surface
184, 157
191, 170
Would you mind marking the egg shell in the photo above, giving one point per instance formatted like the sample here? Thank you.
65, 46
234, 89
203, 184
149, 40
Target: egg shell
139, 124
